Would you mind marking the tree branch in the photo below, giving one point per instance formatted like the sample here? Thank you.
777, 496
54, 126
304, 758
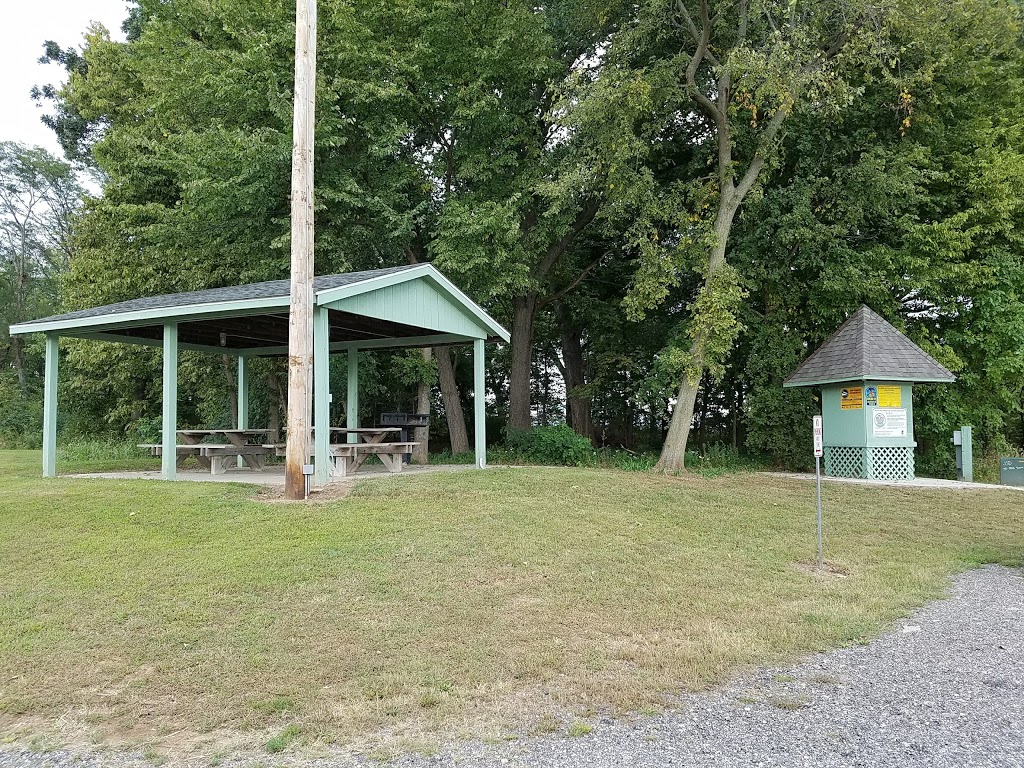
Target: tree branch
704, 103
694, 32
555, 251
545, 300
766, 138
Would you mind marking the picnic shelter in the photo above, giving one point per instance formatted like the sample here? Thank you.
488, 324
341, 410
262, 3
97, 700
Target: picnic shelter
399, 307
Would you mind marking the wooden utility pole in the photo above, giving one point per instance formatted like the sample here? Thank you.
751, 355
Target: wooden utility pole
300, 317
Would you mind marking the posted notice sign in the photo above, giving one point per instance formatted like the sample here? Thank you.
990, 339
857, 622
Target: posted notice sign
819, 449
851, 398
889, 422
890, 397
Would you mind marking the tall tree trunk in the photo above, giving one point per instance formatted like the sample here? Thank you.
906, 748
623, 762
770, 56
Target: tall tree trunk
736, 418
673, 453
546, 385
574, 371
422, 434
523, 310
452, 399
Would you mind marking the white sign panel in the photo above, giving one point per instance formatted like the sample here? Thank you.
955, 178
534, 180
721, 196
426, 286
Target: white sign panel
818, 441
889, 422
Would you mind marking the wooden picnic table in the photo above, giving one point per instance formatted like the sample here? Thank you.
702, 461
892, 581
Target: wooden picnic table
240, 444
366, 434
349, 459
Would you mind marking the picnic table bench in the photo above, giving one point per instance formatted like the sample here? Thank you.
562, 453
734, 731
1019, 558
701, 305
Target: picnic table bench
347, 458
211, 456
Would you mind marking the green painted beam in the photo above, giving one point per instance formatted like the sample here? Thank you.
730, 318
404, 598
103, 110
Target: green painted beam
321, 395
142, 317
404, 342
243, 398
433, 340
169, 426
479, 405
352, 403
50, 405
243, 392
118, 339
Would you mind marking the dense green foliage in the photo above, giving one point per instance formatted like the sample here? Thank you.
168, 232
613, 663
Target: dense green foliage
557, 445
554, 160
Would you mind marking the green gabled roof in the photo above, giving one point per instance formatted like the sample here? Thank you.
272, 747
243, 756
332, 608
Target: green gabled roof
866, 346
272, 289
271, 299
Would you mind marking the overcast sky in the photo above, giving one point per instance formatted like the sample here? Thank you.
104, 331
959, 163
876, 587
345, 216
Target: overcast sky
24, 26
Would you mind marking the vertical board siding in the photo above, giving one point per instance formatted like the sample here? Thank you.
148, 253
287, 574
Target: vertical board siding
413, 303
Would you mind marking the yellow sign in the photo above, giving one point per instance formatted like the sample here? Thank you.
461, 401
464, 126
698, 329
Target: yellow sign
890, 397
852, 397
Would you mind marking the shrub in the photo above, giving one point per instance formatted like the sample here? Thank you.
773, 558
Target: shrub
719, 459
21, 417
551, 445
628, 461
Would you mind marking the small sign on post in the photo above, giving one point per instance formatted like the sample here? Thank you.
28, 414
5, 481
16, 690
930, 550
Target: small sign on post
819, 451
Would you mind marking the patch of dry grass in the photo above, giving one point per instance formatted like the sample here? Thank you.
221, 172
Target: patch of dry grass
190, 616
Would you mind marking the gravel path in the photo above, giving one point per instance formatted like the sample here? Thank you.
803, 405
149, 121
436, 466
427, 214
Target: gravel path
943, 688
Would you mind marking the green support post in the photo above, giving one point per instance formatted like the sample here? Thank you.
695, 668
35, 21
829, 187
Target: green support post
243, 397
479, 410
170, 410
352, 405
50, 405
243, 392
321, 395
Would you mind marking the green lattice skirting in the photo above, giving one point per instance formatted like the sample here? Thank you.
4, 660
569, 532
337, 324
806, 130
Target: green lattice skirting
888, 463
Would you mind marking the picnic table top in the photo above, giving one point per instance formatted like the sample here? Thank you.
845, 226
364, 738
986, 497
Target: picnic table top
366, 429
223, 431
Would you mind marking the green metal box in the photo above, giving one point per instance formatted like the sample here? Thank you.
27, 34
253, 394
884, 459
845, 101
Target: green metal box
868, 429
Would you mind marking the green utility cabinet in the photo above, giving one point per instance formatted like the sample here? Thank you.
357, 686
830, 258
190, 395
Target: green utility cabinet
868, 429
865, 373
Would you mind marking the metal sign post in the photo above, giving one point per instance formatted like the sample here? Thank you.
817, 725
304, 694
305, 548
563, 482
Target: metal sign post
819, 451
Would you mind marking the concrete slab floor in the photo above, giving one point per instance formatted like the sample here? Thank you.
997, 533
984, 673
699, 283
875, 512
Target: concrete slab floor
919, 482
272, 475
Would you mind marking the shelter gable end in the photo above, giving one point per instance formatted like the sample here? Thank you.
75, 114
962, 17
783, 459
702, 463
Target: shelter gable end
413, 302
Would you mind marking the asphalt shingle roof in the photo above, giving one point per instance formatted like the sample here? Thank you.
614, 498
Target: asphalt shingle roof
267, 290
866, 346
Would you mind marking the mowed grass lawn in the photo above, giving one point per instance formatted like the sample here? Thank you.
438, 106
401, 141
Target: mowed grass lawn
461, 604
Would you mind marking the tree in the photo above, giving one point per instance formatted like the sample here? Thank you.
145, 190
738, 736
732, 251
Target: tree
436, 141
734, 71
511, 191
908, 200
39, 196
